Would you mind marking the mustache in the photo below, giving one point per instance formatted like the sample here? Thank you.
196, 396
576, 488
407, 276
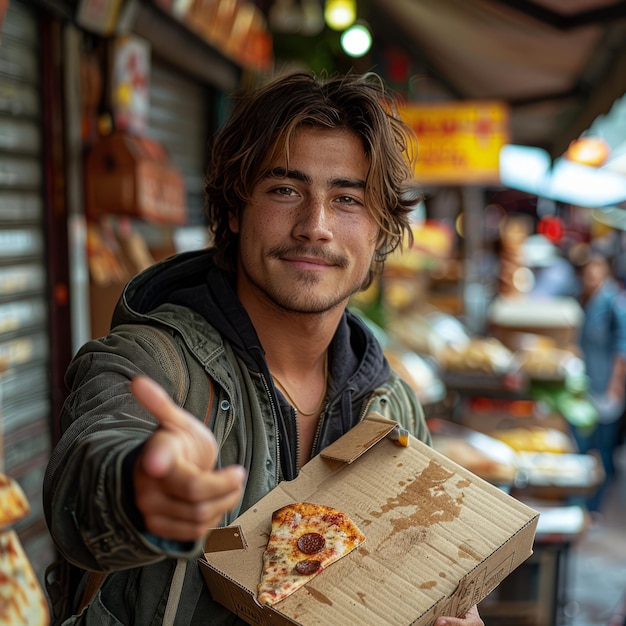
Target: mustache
323, 255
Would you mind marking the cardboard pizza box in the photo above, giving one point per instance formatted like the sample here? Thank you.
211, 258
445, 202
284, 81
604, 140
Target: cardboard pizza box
438, 538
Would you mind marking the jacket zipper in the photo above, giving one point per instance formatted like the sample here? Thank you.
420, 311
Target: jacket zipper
366, 406
323, 416
294, 413
318, 430
276, 433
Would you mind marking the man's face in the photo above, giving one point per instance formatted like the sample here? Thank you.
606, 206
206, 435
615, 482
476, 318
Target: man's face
306, 239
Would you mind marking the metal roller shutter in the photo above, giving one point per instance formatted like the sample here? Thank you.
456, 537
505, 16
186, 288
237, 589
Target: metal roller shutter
180, 119
24, 334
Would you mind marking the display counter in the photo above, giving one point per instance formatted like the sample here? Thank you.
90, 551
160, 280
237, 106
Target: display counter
533, 457
507, 386
536, 593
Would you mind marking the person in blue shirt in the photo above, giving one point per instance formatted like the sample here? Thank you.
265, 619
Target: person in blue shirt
602, 341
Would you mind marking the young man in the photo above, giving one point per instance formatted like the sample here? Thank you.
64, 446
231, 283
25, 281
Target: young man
250, 338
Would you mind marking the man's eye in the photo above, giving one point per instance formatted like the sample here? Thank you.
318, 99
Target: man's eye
284, 191
348, 200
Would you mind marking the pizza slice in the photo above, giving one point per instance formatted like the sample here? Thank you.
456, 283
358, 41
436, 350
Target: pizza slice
13, 503
22, 600
305, 538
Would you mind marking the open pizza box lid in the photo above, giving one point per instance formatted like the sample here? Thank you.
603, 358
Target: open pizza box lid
438, 538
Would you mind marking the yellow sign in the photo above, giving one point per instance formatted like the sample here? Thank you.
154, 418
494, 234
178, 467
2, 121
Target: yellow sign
458, 142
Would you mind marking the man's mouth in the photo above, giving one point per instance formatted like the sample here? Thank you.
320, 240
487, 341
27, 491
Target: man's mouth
307, 258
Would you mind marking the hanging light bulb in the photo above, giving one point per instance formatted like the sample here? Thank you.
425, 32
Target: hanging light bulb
356, 40
339, 14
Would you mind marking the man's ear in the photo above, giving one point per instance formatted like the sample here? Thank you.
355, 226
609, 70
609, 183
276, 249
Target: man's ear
233, 222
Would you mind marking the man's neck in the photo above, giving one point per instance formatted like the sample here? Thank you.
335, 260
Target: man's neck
294, 344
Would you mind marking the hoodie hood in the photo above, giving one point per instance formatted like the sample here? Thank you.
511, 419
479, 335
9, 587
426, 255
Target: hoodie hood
191, 280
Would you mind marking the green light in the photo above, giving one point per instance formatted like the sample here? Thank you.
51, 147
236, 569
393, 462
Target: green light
356, 40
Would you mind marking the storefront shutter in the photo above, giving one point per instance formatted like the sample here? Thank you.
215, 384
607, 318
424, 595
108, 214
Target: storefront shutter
24, 335
179, 119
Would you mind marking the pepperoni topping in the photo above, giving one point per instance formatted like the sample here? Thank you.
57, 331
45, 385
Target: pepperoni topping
311, 543
308, 567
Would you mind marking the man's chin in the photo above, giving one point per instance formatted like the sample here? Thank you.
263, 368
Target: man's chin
309, 304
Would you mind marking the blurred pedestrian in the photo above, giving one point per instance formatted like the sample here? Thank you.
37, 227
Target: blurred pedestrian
602, 342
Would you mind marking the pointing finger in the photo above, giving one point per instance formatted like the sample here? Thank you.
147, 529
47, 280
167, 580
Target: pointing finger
156, 400
180, 436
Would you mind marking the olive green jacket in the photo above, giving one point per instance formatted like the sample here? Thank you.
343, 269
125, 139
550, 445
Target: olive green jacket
88, 498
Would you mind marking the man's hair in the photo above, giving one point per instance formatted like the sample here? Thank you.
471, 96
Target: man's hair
263, 123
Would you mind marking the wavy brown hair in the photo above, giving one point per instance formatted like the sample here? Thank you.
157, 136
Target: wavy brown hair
262, 124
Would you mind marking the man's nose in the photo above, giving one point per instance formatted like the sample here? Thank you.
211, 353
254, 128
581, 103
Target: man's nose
314, 219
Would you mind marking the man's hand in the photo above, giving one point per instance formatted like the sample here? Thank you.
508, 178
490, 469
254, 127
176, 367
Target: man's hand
177, 488
471, 619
